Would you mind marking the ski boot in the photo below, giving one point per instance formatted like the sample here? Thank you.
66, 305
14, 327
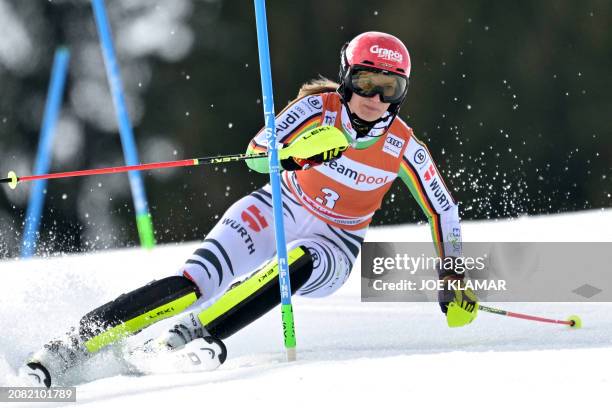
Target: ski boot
48, 365
189, 336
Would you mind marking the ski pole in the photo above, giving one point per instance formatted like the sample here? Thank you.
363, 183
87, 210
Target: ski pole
265, 70
572, 321
327, 138
13, 179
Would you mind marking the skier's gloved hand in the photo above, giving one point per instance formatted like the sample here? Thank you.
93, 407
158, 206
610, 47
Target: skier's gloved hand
313, 147
295, 163
459, 304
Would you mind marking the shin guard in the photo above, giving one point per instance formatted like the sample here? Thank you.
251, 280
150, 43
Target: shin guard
136, 310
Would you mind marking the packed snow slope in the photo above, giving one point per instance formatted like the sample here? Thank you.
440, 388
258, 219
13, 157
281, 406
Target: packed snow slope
349, 353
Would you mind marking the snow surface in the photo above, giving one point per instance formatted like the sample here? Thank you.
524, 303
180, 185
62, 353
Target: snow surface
349, 353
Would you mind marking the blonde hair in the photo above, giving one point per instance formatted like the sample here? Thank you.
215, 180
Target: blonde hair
316, 86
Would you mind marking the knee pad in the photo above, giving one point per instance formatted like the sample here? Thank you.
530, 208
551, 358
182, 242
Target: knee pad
131, 312
331, 268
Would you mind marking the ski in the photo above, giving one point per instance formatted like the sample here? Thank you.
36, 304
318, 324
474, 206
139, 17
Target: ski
202, 354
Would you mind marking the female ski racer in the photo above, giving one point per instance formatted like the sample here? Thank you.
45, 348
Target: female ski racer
328, 202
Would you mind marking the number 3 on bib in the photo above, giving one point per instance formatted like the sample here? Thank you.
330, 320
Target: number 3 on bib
330, 198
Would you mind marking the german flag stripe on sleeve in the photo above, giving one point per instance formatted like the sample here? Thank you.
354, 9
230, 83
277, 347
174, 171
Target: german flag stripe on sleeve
409, 175
424, 146
310, 123
256, 146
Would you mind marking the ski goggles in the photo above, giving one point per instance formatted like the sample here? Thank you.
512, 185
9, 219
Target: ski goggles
366, 82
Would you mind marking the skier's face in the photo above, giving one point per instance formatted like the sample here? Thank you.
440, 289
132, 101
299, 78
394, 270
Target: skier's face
368, 108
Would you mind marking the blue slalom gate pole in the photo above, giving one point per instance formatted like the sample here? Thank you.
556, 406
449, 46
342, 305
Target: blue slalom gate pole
279, 225
143, 217
45, 147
